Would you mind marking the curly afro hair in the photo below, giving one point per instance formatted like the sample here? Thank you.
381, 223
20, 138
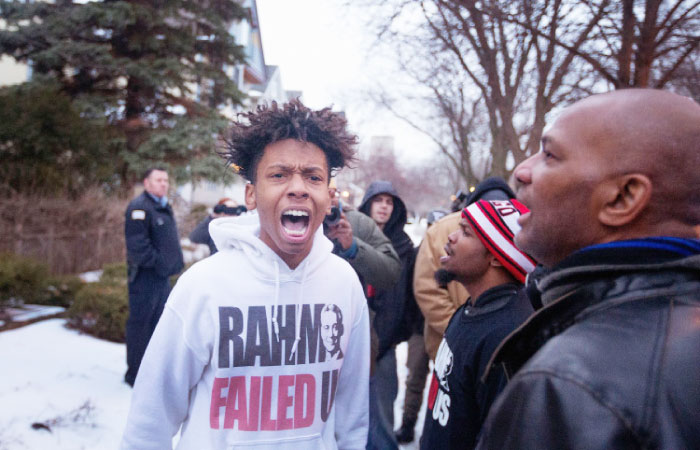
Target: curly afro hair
271, 123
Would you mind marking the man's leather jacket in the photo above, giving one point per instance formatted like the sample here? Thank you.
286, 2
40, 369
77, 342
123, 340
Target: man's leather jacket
611, 361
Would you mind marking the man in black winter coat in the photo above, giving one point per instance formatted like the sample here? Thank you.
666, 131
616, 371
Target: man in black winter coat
153, 254
612, 359
383, 204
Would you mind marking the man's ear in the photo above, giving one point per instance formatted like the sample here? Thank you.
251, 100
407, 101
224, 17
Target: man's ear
250, 202
622, 199
494, 261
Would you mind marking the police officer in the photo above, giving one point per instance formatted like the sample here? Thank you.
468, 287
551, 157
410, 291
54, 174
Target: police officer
153, 254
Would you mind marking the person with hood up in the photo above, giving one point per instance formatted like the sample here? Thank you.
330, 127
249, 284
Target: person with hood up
266, 343
383, 204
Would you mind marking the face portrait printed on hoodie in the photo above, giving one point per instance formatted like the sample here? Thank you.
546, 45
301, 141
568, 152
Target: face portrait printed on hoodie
332, 330
291, 196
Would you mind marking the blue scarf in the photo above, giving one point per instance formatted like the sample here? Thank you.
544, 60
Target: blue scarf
657, 249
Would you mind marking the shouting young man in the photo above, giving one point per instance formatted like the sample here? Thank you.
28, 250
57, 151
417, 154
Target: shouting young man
480, 255
242, 356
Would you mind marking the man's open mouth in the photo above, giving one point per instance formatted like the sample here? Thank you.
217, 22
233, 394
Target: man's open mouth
448, 254
295, 222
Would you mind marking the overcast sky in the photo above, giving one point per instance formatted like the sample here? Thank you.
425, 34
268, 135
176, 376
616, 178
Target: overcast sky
326, 51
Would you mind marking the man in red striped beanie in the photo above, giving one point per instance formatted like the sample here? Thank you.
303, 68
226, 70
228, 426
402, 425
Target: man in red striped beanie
480, 255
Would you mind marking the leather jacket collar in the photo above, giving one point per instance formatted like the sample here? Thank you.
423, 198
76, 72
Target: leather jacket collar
592, 276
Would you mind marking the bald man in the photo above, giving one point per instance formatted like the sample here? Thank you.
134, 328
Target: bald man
612, 360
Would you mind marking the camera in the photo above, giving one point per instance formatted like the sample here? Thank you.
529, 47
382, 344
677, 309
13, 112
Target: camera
333, 217
230, 210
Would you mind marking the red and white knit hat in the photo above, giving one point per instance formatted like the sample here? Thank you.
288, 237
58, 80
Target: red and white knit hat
496, 223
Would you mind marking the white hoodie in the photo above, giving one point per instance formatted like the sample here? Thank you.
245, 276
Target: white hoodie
251, 354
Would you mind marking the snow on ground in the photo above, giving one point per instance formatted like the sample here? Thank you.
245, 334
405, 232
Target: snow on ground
73, 383
91, 277
69, 381
401, 354
26, 313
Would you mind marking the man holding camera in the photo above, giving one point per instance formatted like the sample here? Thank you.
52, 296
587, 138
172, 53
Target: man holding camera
225, 207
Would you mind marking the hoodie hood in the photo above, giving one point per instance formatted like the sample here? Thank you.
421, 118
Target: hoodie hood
399, 216
241, 233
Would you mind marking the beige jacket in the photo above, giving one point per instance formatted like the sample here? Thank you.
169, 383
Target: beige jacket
437, 304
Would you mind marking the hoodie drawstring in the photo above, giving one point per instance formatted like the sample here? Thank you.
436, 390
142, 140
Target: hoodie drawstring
300, 299
275, 325
297, 307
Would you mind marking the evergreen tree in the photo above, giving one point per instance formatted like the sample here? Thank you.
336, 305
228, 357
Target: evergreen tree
155, 69
46, 147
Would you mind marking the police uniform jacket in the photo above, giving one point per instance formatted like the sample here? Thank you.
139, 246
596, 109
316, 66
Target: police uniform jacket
152, 241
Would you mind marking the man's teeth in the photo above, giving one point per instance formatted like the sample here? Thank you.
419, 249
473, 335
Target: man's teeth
296, 212
295, 222
295, 232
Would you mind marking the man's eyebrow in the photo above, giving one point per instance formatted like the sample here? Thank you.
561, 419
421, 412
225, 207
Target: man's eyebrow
468, 229
281, 166
311, 168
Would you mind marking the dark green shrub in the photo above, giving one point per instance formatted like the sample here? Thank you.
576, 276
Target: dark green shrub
114, 273
28, 281
101, 309
61, 290
22, 279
